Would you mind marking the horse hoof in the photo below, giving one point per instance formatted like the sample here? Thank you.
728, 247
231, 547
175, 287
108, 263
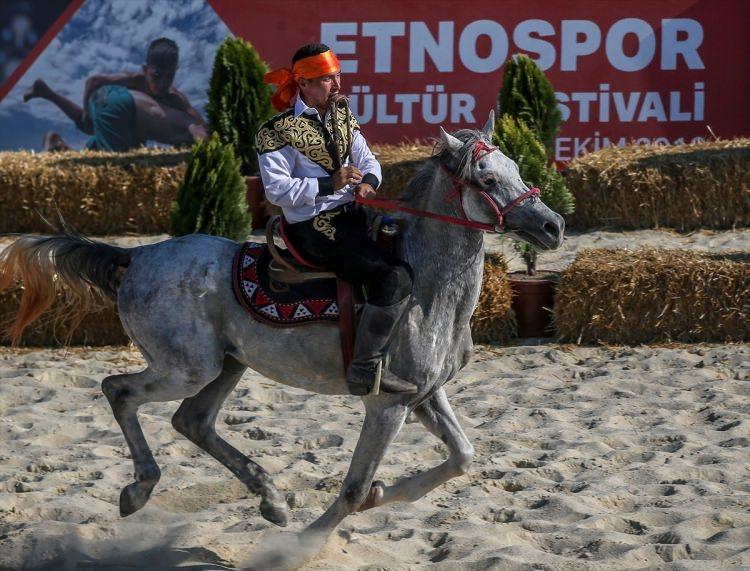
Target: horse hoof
276, 513
133, 497
374, 497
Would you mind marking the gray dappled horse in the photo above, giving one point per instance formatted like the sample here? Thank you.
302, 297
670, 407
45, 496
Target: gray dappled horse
176, 303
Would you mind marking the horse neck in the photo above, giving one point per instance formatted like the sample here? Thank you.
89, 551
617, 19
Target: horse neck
447, 259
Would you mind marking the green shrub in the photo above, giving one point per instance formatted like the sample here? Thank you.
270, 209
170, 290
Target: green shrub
516, 140
519, 142
239, 102
528, 95
212, 196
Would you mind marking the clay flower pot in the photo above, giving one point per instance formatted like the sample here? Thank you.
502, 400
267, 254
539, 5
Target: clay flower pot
533, 300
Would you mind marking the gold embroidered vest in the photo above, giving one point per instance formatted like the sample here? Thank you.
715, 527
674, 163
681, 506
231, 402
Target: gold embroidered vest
306, 134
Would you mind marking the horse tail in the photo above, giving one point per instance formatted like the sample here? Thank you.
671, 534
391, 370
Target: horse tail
83, 272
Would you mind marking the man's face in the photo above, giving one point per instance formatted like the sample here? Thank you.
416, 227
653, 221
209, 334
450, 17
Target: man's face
316, 91
159, 80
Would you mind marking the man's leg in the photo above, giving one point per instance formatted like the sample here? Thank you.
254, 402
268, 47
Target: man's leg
113, 114
388, 297
40, 89
355, 258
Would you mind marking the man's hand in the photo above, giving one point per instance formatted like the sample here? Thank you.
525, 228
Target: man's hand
346, 175
364, 190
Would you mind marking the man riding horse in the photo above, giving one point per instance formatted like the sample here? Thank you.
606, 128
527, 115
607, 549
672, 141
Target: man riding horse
313, 161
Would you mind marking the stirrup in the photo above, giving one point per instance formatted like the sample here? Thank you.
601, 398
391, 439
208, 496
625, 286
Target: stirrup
388, 384
375, 391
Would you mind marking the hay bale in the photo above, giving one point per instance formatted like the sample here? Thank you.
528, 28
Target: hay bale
684, 187
494, 320
97, 192
103, 193
652, 296
99, 328
399, 163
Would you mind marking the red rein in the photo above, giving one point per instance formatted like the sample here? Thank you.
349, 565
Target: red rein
480, 149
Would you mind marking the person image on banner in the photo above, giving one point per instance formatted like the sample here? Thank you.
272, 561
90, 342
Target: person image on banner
124, 111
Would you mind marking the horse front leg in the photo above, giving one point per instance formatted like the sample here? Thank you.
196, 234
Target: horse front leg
437, 416
385, 415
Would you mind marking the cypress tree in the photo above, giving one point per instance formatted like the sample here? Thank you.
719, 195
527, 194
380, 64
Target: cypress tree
516, 140
239, 102
528, 95
211, 199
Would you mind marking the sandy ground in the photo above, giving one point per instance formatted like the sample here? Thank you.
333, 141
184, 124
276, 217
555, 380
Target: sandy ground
586, 458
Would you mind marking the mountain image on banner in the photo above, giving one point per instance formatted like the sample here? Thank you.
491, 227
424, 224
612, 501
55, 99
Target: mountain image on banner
107, 37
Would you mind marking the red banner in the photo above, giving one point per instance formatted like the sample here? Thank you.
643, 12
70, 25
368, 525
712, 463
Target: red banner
634, 71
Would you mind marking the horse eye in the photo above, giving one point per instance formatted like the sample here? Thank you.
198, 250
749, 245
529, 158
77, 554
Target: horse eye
482, 164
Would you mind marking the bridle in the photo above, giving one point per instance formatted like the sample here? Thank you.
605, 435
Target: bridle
459, 185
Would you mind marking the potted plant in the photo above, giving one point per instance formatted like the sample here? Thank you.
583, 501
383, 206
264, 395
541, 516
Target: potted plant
525, 132
239, 102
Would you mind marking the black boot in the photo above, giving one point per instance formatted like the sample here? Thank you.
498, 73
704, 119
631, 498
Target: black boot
373, 336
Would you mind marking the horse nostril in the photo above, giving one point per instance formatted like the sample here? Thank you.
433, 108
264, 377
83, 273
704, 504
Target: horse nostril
550, 229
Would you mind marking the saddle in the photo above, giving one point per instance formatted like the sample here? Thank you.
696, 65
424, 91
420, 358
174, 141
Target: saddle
279, 287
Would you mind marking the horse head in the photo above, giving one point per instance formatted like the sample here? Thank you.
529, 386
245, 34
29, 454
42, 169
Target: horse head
490, 190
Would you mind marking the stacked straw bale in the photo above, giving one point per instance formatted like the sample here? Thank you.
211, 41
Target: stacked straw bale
686, 187
652, 296
705, 185
399, 163
101, 193
102, 327
494, 320
98, 193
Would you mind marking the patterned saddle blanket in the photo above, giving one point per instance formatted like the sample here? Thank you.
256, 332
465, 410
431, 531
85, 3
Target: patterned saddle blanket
276, 303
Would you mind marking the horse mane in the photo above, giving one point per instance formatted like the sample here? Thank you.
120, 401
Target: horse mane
441, 155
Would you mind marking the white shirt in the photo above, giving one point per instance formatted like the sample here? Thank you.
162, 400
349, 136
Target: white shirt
291, 179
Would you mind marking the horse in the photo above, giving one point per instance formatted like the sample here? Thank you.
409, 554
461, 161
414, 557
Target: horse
176, 304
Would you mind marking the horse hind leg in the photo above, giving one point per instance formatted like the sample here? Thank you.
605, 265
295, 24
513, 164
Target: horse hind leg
437, 416
126, 393
196, 419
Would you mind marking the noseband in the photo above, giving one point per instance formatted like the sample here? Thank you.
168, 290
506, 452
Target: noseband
480, 150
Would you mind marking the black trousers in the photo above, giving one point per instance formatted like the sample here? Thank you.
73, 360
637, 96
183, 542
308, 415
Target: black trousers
337, 241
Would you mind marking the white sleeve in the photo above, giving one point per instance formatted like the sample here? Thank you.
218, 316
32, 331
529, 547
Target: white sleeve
282, 189
364, 160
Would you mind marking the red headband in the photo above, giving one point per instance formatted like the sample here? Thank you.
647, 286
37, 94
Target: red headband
310, 67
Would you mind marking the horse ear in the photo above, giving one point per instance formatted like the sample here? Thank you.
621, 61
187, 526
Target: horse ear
450, 142
489, 126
